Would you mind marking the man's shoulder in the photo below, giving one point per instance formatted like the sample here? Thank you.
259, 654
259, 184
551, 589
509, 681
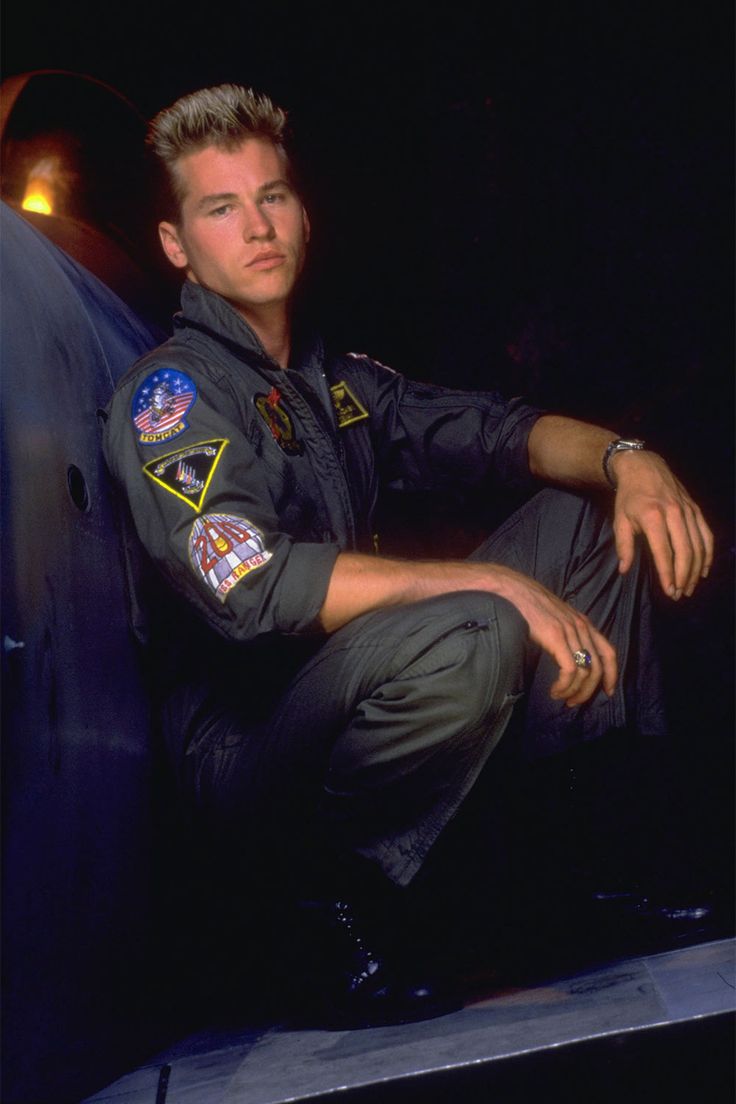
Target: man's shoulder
361, 368
167, 376
365, 360
357, 382
177, 355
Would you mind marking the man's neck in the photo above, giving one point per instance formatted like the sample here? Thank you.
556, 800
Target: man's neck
272, 327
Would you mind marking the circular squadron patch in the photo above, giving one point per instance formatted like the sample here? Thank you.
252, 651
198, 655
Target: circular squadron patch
278, 421
160, 405
224, 548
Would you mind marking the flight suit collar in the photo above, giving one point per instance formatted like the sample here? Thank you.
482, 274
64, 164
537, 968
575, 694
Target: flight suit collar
207, 311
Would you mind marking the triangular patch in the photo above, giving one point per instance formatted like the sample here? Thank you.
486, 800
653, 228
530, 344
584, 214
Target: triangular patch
188, 472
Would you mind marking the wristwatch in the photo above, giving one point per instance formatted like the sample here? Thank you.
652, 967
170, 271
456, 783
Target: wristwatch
623, 444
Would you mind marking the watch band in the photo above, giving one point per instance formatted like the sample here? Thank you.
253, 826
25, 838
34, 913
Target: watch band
622, 444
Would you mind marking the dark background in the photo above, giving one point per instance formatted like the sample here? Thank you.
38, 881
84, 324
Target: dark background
525, 195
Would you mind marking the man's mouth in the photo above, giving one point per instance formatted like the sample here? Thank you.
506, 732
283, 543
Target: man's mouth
269, 259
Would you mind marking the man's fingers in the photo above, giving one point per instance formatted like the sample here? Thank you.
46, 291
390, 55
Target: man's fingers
624, 533
698, 551
568, 676
603, 670
708, 542
651, 501
686, 556
655, 530
571, 676
702, 542
562, 631
577, 684
587, 678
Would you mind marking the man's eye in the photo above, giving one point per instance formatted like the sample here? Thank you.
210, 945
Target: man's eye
217, 212
274, 197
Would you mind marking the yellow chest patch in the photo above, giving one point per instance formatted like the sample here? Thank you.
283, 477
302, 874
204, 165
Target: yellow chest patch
348, 408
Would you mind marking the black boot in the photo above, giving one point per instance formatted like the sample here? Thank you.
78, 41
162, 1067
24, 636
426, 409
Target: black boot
352, 955
630, 840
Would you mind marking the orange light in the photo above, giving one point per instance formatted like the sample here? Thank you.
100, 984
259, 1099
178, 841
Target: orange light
39, 194
35, 200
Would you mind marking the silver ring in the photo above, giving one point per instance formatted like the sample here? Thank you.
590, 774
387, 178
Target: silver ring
582, 658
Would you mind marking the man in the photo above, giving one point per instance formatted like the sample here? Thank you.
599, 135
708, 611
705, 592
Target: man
324, 701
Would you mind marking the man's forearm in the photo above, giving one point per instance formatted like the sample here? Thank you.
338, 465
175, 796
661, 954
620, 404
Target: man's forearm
362, 583
561, 450
568, 452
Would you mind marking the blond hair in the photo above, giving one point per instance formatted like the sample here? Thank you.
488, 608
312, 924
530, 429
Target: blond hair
222, 116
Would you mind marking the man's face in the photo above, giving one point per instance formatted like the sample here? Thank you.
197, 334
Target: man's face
242, 231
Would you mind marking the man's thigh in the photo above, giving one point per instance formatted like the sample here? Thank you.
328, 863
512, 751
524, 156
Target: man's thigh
383, 695
562, 539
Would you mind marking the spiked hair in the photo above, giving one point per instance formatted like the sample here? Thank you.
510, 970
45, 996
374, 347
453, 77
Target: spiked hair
222, 116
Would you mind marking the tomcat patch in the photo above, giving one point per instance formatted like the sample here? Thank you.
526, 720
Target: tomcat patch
160, 405
224, 548
188, 472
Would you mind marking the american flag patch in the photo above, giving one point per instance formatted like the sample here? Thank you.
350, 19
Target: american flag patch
160, 405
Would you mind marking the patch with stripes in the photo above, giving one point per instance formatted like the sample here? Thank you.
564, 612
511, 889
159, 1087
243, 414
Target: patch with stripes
223, 549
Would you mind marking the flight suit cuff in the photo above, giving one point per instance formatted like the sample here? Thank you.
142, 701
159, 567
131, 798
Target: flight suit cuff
303, 586
512, 470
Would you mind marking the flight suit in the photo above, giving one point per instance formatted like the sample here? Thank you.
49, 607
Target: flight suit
244, 483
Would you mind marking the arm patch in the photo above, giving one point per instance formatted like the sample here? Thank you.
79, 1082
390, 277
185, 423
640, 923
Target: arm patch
188, 472
223, 549
160, 405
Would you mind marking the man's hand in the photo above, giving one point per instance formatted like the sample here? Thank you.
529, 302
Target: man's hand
560, 630
651, 501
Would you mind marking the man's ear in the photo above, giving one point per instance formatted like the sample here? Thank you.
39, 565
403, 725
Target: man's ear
171, 244
306, 225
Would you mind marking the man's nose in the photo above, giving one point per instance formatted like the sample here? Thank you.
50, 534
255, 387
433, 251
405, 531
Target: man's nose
257, 224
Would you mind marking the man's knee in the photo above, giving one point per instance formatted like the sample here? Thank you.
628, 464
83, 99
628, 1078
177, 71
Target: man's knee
476, 656
499, 659
582, 523
562, 539
460, 665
